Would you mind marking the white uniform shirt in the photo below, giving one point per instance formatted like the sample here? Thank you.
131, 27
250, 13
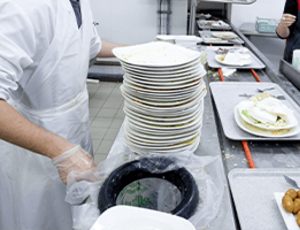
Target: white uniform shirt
27, 30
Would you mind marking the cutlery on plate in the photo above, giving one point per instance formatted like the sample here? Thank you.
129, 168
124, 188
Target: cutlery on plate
265, 89
291, 181
279, 97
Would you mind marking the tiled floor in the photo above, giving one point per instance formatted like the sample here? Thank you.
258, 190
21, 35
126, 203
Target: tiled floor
106, 116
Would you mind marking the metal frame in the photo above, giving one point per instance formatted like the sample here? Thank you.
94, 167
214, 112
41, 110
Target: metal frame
194, 4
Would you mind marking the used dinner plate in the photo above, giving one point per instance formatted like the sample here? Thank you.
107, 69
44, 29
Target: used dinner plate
171, 95
136, 218
156, 54
161, 118
167, 76
221, 59
249, 104
172, 82
263, 132
168, 132
161, 70
224, 35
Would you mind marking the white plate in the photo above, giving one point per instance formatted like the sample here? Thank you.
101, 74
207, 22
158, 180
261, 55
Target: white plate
160, 137
162, 87
163, 97
166, 132
249, 104
141, 145
171, 116
180, 126
156, 54
224, 35
140, 150
163, 108
159, 103
167, 92
219, 56
289, 218
162, 70
164, 118
135, 218
172, 95
156, 140
263, 132
165, 76
171, 82
138, 118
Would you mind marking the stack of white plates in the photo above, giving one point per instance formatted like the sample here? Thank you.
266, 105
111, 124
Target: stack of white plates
163, 89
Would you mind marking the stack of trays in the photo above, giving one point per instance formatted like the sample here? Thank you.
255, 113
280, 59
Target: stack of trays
163, 89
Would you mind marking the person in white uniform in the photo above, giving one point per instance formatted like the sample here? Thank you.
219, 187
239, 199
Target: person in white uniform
44, 118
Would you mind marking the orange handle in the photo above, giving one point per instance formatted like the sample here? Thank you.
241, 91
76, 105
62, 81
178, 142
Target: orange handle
221, 74
255, 75
248, 154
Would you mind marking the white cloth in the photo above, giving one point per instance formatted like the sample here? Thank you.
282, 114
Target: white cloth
44, 60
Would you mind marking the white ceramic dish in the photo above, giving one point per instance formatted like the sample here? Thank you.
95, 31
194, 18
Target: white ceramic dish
171, 116
249, 104
164, 109
164, 97
160, 137
219, 58
142, 145
162, 87
172, 95
166, 92
184, 92
152, 141
180, 126
133, 218
224, 35
170, 82
161, 124
140, 150
159, 103
156, 54
263, 132
166, 132
166, 77
289, 218
163, 118
162, 70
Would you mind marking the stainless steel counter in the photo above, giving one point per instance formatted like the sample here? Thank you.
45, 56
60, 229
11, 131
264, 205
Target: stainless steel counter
266, 154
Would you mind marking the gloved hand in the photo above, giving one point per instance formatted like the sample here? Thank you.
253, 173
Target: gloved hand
76, 159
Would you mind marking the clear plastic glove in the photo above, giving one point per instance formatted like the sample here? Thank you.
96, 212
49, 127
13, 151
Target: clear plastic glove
76, 159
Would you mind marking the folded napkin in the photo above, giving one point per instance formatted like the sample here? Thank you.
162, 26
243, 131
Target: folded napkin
237, 59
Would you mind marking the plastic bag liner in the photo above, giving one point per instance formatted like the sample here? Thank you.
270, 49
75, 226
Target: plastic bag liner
158, 193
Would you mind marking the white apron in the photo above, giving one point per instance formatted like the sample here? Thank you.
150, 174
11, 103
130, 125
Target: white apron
31, 192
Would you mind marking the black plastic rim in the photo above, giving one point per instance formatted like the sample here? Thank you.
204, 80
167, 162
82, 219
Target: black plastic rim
144, 168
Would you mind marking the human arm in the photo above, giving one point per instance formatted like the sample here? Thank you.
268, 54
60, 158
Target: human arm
283, 28
16, 129
106, 49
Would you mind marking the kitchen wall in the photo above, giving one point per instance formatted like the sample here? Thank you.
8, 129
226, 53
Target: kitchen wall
135, 21
272, 48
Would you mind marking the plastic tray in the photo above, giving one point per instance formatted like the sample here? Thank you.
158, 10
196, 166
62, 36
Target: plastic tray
226, 97
211, 61
253, 195
209, 34
210, 27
